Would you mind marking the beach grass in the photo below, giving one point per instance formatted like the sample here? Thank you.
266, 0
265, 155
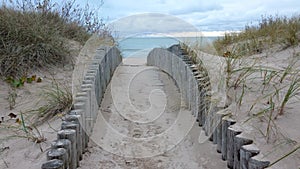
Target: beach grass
277, 88
271, 31
34, 34
37, 35
58, 100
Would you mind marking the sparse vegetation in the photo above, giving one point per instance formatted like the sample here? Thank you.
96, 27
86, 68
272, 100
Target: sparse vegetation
292, 91
58, 99
247, 72
297, 147
18, 127
274, 89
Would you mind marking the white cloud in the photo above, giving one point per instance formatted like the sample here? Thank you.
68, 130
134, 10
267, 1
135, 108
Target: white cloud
149, 23
205, 14
195, 7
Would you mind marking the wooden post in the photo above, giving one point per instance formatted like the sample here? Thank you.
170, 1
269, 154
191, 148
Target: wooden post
82, 106
87, 87
70, 134
256, 163
70, 125
226, 122
239, 141
220, 116
246, 152
214, 136
76, 119
219, 137
200, 100
53, 164
63, 143
78, 113
231, 133
60, 154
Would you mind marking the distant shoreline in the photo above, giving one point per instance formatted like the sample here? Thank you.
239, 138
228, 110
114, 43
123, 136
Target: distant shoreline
178, 34
134, 44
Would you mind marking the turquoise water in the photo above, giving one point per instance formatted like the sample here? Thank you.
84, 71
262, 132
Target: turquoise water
142, 45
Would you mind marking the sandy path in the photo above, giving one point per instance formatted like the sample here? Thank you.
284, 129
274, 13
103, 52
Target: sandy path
142, 123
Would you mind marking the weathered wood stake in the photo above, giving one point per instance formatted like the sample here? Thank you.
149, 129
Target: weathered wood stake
70, 134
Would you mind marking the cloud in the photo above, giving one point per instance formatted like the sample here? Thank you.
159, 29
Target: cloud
173, 7
149, 23
196, 8
205, 15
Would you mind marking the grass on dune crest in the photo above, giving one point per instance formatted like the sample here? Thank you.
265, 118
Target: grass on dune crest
33, 34
270, 31
37, 35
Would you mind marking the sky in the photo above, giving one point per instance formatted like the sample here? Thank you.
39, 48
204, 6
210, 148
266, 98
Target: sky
206, 15
135, 16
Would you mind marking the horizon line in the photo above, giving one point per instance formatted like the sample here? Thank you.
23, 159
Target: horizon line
185, 34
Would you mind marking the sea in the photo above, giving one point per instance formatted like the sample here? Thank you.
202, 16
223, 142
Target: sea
141, 46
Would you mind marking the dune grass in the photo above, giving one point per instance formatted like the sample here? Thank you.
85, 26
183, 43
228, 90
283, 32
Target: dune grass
34, 33
277, 87
58, 100
270, 31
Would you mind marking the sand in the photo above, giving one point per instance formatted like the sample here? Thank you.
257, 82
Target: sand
152, 106
143, 123
284, 133
17, 150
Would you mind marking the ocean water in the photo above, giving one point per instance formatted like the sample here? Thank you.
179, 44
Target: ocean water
141, 46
